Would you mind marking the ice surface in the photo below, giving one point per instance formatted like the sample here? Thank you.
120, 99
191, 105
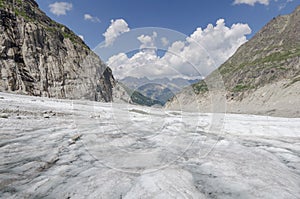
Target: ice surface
53, 148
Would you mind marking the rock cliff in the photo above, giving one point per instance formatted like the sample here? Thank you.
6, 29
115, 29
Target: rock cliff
43, 58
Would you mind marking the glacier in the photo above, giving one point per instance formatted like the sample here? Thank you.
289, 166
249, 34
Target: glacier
54, 148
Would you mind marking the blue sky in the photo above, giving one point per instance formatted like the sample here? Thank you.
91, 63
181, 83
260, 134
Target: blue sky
195, 37
183, 16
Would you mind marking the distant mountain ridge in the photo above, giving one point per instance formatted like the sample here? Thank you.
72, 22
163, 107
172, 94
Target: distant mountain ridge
43, 58
263, 75
124, 94
161, 89
176, 83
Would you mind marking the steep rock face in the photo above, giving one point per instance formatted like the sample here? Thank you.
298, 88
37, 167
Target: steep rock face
43, 58
262, 77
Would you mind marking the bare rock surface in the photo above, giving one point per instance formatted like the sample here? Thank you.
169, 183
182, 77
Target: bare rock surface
43, 58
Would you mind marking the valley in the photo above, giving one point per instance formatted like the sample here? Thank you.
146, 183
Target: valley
209, 109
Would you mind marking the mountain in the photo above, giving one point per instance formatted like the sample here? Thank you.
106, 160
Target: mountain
43, 58
122, 93
140, 99
160, 89
156, 91
262, 77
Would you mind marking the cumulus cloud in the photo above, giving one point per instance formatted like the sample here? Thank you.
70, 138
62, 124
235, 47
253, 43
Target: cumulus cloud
251, 2
91, 18
219, 41
60, 8
196, 56
143, 63
116, 28
147, 41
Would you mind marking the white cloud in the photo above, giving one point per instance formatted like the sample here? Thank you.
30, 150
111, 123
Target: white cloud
147, 41
81, 37
143, 63
91, 18
60, 8
219, 41
198, 55
164, 41
251, 2
116, 28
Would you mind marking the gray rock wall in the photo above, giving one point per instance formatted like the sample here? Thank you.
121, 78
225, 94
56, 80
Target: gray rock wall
43, 58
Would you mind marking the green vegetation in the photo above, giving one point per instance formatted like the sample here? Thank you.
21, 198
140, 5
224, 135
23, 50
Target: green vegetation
140, 99
274, 63
50, 29
156, 91
57, 28
241, 87
2, 3
23, 14
200, 87
69, 36
74, 38
18, 9
277, 56
274, 57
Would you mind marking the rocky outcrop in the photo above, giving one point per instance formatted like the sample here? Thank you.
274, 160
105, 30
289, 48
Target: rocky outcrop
262, 77
43, 58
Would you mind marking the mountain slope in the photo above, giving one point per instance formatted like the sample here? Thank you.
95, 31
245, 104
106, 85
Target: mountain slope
262, 77
122, 93
161, 89
156, 91
43, 58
